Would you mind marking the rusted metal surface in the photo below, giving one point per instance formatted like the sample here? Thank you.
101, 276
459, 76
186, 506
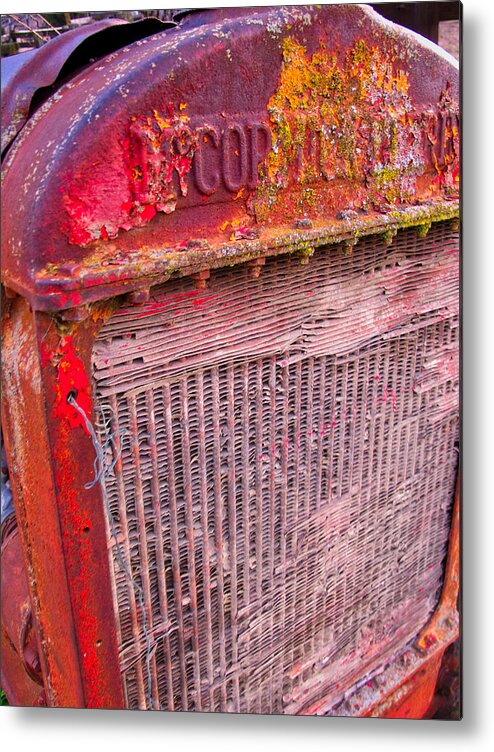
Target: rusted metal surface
447, 701
29, 78
20, 665
23, 425
343, 121
414, 696
19, 688
439, 625
61, 521
401, 689
273, 507
406, 687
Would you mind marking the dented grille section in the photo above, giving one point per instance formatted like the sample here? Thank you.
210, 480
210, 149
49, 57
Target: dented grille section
285, 485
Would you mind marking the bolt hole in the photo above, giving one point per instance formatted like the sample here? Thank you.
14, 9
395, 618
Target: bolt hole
71, 396
86, 529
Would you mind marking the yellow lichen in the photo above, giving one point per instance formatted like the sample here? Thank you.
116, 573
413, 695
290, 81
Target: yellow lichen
340, 118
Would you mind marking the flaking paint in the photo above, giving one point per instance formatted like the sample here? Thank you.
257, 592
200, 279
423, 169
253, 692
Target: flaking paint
71, 380
352, 129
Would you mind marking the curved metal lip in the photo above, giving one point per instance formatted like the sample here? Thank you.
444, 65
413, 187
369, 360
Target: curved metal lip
29, 78
94, 280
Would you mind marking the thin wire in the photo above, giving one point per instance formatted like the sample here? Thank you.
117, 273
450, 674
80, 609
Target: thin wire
102, 471
48, 329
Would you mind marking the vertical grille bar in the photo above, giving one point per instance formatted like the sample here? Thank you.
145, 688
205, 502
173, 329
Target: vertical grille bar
283, 626
246, 502
219, 537
270, 535
205, 525
189, 531
259, 548
122, 532
159, 548
232, 529
142, 536
175, 553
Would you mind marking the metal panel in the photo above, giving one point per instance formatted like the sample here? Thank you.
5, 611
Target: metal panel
61, 521
178, 149
283, 495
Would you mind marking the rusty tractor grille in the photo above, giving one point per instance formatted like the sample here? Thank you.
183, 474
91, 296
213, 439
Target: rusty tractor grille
286, 478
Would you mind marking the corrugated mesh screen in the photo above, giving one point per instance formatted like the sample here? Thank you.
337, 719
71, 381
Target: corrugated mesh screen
286, 479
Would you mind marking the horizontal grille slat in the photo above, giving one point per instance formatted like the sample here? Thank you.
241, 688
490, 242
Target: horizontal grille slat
285, 483
321, 313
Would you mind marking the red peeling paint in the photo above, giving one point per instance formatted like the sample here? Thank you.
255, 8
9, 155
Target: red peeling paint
127, 206
147, 213
71, 379
69, 301
78, 521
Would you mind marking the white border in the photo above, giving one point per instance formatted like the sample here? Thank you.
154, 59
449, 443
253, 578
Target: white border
79, 731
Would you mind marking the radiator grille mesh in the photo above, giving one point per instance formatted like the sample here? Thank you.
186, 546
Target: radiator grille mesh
285, 485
